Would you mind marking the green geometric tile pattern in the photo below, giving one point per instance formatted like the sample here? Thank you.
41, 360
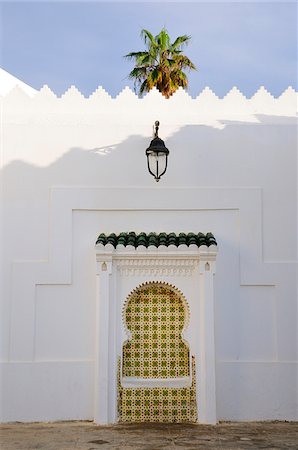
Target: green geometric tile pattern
172, 405
155, 314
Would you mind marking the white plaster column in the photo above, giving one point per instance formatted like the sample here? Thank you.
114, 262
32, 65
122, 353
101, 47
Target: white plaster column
206, 394
101, 398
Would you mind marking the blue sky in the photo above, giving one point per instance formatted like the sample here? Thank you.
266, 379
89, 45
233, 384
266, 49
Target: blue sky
243, 44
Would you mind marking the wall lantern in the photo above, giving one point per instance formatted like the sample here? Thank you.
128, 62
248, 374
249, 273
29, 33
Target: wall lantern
157, 155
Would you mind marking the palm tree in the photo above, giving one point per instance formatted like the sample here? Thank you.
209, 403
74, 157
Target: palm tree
162, 64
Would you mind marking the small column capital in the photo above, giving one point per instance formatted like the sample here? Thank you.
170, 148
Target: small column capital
207, 258
207, 265
103, 265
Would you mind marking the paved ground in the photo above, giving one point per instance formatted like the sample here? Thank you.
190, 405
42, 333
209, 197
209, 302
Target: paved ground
87, 436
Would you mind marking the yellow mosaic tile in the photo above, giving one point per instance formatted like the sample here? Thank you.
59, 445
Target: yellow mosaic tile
169, 405
155, 314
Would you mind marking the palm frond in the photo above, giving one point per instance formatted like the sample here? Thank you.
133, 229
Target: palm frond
163, 39
179, 78
148, 38
145, 59
138, 73
180, 41
154, 77
184, 62
144, 88
134, 55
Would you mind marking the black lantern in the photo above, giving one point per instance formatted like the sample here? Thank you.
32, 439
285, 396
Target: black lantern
157, 156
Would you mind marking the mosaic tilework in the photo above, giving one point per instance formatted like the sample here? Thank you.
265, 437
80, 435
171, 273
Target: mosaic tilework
155, 314
172, 405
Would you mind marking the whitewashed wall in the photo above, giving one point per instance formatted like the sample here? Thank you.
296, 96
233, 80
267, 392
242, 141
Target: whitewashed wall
73, 167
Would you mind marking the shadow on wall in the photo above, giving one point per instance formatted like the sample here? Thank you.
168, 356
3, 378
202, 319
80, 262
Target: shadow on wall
240, 154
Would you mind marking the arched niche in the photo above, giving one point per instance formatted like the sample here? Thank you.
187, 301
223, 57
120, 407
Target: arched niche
155, 315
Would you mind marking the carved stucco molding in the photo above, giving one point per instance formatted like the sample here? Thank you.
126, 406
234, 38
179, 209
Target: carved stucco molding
157, 266
169, 262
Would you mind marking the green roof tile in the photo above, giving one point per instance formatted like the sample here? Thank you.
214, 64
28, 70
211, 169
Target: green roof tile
156, 240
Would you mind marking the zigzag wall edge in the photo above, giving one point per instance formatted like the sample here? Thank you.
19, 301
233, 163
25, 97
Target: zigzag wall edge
100, 91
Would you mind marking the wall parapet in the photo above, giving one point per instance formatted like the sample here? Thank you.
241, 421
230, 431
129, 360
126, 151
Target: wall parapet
207, 103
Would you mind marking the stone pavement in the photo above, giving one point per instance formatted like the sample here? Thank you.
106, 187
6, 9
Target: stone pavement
88, 436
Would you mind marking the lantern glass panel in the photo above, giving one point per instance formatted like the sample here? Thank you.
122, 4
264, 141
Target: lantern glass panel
157, 163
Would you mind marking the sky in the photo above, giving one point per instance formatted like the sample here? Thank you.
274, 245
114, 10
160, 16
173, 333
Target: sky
236, 43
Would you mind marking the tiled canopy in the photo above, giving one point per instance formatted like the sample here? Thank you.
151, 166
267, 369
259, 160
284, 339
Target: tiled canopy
156, 239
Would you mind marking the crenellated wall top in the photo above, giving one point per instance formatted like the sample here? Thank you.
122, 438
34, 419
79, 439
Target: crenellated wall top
206, 104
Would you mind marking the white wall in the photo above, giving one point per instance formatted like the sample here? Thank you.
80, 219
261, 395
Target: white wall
74, 167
